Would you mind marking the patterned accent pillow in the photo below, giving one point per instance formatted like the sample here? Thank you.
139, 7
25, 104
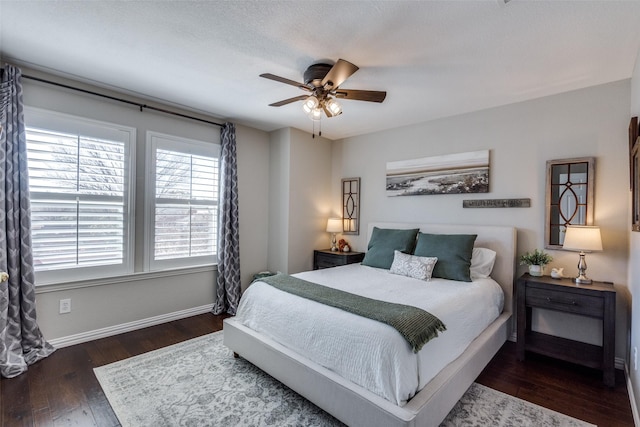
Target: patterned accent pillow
418, 267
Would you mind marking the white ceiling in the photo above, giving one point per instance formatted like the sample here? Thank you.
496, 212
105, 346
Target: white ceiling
434, 58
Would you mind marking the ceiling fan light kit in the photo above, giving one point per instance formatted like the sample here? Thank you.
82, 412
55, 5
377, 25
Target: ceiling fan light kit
315, 114
323, 81
310, 104
333, 106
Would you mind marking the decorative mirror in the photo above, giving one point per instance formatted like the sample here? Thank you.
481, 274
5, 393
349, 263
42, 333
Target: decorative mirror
635, 187
569, 197
634, 172
351, 205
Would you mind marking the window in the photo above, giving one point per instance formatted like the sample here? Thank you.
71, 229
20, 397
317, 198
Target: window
80, 186
182, 213
81, 181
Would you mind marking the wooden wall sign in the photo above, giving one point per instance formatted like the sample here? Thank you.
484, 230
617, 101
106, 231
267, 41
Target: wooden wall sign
497, 203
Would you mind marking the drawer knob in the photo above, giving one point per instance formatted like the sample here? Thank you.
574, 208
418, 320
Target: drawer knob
561, 302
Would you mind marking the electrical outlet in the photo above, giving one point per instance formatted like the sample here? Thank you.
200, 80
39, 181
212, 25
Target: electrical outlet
65, 306
635, 358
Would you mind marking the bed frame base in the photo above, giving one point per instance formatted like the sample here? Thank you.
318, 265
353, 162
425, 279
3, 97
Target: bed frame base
354, 405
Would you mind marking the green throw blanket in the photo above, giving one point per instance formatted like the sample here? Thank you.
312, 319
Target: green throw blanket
414, 324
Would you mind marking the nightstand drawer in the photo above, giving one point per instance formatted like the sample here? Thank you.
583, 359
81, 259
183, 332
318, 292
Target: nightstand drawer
328, 259
569, 302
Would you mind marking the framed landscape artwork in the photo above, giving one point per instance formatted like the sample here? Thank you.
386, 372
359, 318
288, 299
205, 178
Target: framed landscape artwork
447, 174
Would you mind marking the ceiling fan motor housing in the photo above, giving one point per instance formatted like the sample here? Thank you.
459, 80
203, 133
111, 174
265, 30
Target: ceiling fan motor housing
315, 73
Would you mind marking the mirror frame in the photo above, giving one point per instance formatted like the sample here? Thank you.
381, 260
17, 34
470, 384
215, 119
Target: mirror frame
350, 190
635, 186
591, 168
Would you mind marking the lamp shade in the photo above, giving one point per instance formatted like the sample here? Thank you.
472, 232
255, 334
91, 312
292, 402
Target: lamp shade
334, 225
582, 238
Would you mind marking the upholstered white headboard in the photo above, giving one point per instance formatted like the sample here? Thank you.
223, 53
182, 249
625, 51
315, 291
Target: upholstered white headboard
498, 238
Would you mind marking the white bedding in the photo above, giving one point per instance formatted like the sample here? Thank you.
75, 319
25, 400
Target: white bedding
364, 351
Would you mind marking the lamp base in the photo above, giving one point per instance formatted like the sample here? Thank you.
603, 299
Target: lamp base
582, 280
334, 246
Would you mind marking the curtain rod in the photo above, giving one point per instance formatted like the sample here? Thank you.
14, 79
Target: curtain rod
141, 106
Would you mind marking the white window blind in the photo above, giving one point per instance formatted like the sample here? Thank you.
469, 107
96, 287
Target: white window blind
185, 205
78, 183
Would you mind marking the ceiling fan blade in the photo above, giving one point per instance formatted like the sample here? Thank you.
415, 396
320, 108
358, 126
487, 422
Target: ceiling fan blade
288, 101
361, 95
286, 81
338, 74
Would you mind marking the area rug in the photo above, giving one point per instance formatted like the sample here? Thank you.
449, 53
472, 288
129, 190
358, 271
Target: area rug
199, 383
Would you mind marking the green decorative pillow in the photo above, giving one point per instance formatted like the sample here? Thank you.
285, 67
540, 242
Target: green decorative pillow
386, 240
453, 252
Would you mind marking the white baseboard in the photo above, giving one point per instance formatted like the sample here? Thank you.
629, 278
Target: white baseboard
128, 327
632, 398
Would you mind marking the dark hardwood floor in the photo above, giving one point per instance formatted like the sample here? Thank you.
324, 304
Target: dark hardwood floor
563, 387
63, 391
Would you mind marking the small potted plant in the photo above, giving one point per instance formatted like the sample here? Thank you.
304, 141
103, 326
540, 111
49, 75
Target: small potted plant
536, 261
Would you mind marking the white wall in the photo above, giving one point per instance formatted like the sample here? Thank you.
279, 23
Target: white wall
140, 296
300, 199
279, 159
310, 198
521, 138
634, 264
253, 192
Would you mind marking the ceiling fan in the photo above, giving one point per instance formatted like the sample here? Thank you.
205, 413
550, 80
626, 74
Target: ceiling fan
322, 82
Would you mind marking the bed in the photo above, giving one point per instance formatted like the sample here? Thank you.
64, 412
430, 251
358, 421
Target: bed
358, 405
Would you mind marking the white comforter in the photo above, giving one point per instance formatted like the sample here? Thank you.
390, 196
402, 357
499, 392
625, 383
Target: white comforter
366, 352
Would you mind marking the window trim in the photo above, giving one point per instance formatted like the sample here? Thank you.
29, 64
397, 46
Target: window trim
128, 278
73, 124
153, 141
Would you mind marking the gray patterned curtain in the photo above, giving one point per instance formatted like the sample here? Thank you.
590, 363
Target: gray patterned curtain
229, 287
21, 342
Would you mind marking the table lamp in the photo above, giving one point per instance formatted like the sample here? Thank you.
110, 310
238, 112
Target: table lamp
582, 238
334, 225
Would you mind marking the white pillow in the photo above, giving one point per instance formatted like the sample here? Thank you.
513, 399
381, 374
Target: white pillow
418, 267
482, 260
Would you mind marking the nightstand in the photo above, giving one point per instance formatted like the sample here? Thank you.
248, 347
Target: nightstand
326, 259
597, 300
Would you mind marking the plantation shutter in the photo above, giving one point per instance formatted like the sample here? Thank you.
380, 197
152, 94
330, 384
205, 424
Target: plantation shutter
78, 199
186, 205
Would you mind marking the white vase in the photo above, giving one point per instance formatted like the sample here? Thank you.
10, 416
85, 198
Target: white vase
536, 270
